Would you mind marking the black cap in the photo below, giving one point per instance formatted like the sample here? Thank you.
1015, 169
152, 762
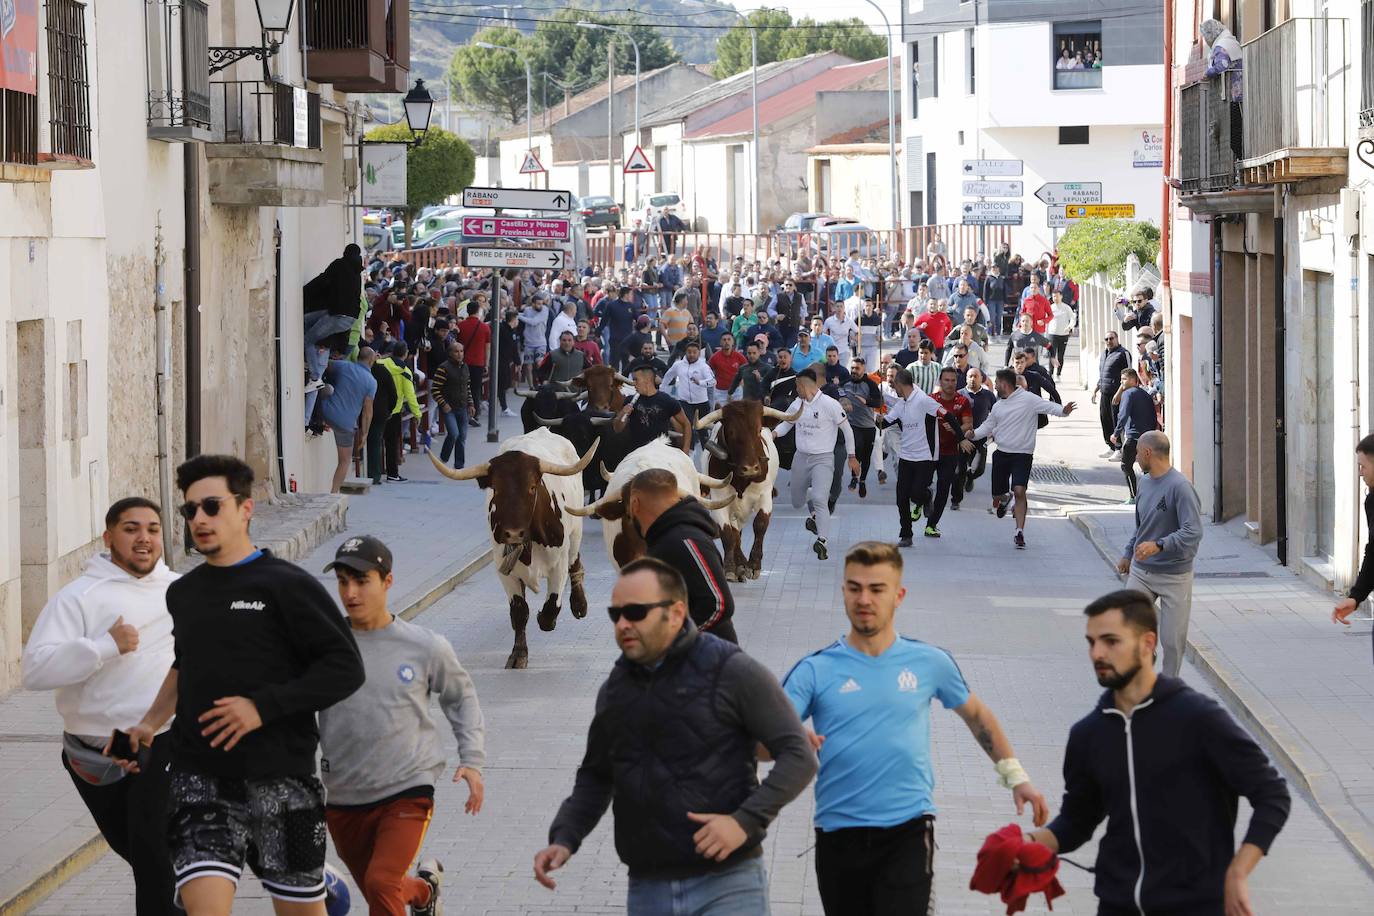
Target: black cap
363, 553
643, 364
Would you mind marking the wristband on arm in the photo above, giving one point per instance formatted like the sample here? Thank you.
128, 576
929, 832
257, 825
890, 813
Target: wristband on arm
1010, 773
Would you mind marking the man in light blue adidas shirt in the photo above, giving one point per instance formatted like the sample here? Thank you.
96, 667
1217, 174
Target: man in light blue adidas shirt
868, 696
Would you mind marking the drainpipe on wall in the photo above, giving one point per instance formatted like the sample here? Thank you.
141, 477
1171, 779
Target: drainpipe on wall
1280, 372
1217, 502
1166, 192
163, 392
190, 159
1350, 198
276, 339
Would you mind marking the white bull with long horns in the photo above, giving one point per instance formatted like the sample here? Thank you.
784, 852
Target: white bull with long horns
623, 542
533, 484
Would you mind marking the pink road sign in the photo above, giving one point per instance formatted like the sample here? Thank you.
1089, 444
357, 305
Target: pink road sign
503, 227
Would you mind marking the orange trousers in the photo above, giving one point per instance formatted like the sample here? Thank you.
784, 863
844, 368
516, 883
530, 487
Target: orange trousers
378, 845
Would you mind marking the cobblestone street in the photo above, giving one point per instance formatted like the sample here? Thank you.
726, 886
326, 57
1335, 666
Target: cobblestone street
1012, 619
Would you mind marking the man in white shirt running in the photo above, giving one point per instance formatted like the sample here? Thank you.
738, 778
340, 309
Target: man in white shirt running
691, 377
814, 465
911, 407
1012, 425
104, 644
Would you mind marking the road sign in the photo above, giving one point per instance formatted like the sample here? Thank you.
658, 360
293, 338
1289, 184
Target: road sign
517, 198
1105, 211
638, 163
531, 165
1055, 219
992, 213
1000, 168
506, 228
993, 188
1060, 193
531, 258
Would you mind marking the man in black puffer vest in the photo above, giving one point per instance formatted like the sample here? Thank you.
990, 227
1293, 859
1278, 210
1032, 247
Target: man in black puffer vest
673, 745
680, 532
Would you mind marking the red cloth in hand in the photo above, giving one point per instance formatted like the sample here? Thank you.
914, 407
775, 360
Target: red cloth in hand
1009, 866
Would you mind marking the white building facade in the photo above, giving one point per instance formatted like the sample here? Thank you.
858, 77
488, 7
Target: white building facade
981, 82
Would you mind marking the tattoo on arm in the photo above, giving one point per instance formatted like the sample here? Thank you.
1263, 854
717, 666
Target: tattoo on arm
983, 735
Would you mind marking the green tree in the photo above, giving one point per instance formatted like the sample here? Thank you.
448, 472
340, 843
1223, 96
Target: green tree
779, 38
441, 166
494, 80
1101, 246
570, 52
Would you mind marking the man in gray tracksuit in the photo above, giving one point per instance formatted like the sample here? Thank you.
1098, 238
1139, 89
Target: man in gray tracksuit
814, 465
1159, 556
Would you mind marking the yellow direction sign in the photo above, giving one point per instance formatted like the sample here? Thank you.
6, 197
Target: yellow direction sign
1105, 211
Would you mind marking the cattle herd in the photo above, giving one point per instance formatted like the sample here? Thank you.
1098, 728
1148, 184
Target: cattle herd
571, 464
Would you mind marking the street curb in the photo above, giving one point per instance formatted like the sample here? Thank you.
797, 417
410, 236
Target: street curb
1298, 758
92, 849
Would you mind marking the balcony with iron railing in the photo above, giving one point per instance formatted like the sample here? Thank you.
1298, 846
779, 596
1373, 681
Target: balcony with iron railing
265, 147
178, 69
1210, 133
1294, 105
358, 45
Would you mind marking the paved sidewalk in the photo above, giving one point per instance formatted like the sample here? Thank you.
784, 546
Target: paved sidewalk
438, 536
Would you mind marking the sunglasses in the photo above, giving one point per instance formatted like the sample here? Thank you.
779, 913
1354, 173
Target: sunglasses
211, 505
634, 612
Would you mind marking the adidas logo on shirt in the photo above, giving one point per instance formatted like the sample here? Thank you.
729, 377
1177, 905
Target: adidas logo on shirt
906, 681
850, 686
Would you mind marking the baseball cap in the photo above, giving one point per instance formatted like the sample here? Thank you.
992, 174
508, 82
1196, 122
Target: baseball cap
643, 364
363, 553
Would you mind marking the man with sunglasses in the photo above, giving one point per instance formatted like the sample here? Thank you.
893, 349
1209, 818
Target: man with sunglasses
690, 814
260, 647
1115, 360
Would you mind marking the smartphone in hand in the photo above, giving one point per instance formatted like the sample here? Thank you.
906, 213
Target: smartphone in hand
122, 748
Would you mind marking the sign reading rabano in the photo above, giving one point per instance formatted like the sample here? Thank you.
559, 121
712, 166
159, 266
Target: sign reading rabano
384, 174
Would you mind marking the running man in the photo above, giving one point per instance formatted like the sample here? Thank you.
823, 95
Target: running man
1165, 766
651, 413
379, 805
260, 647
868, 695
814, 465
912, 408
1013, 424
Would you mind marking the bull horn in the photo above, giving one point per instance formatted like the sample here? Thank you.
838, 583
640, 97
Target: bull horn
564, 395
721, 503
601, 421
562, 384
477, 470
711, 419
567, 470
605, 472
715, 483
675, 434
526, 393
715, 449
545, 421
776, 414
622, 380
586, 511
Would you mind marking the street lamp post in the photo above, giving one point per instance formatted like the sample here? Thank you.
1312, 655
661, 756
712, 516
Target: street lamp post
529, 81
891, 118
610, 28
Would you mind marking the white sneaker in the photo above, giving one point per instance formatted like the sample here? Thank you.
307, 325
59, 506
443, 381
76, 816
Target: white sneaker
313, 385
1107, 454
430, 871
507, 412
1114, 456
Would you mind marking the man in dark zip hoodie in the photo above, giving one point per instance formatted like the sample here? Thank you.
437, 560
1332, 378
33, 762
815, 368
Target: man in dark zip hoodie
1165, 766
680, 532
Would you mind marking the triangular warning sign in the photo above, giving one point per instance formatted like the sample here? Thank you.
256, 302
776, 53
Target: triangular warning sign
638, 162
531, 164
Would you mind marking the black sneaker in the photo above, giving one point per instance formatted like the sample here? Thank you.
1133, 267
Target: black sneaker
473, 421
396, 477
954, 505
968, 486
1019, 541
819, 547
430, 871
853, 484
811, 524
830, 505
904, 541
882, 477
916, 512
932, 532
1002, 509
863, 489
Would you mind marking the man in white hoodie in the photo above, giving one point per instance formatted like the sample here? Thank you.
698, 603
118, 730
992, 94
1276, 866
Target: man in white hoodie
104, 643
820, 420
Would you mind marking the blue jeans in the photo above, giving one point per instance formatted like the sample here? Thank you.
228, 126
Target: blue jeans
456, 427
738, 891
995, 310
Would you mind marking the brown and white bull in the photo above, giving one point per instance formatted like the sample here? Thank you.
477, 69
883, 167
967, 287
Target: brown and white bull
740, 446
623, 542
532, 483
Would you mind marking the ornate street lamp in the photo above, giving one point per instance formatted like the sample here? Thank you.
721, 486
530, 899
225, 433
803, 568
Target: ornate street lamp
274, 18
419, 106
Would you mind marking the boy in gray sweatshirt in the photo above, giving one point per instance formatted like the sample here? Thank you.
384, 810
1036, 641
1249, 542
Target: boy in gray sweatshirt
381, 752
1159, 556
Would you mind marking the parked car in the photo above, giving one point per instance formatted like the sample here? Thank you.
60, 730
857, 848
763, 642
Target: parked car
656, 204
837, 239
599, 210
798, 225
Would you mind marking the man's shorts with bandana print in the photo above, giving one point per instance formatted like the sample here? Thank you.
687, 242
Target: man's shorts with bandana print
276, 826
